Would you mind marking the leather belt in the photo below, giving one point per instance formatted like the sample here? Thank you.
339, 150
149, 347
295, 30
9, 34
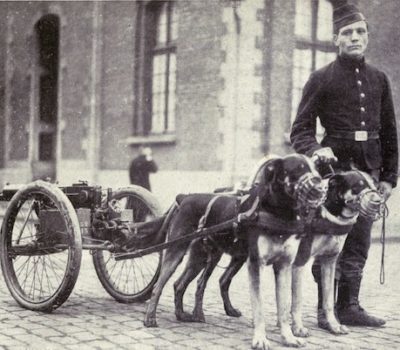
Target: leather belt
360, 135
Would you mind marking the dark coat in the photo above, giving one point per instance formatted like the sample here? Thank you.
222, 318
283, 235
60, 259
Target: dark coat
139, 171
349, 96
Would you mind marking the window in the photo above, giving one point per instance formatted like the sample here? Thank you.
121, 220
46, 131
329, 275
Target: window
314, 47
160, 68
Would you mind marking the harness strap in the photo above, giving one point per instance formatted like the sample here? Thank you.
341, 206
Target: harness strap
215, 229
202, 224
304, 252
278, 226
243, 198
203, 219
249, 214
326, 227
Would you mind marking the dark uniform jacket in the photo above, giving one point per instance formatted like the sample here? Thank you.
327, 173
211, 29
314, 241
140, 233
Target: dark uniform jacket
349, 96
139, 171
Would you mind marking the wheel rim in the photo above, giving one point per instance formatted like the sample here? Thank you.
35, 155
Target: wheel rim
131, 277
36, 267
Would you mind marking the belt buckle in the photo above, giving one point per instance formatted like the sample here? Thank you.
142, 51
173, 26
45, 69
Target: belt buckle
361, 135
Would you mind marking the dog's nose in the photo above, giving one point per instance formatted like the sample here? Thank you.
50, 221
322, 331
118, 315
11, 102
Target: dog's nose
318, 190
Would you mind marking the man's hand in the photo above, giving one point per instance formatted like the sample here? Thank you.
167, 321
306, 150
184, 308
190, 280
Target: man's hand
385, 188
325, 155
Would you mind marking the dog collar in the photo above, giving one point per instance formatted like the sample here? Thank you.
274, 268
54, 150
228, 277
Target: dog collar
338, 220
328, 224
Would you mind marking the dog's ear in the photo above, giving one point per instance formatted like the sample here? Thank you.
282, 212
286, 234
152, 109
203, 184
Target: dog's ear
337, 184
272, 170
180, 197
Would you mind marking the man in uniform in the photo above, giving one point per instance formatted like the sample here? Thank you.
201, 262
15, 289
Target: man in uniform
354, 103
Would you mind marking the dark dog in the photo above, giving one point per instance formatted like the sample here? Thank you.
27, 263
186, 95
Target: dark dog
284, 187
350, 194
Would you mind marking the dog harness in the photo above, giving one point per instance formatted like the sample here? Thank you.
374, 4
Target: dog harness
320, 225
277, 227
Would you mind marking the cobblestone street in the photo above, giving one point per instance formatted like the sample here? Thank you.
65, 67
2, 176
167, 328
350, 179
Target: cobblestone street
90, 319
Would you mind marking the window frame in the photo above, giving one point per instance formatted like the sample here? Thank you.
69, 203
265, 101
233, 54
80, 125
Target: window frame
313, 45
146, 50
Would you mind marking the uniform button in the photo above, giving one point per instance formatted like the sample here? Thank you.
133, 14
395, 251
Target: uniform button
362, 109
363, 123
362, 95
357, 70
359, 82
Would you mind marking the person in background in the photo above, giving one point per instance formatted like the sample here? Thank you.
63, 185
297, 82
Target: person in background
141, 167
353, 100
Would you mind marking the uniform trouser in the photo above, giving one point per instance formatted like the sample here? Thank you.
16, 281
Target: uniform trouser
351, 262
354, 255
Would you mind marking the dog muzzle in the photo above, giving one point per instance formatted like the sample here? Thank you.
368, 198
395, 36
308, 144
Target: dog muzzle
310, 191
369, 203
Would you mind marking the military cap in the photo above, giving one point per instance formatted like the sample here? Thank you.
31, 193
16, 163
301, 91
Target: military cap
344, 15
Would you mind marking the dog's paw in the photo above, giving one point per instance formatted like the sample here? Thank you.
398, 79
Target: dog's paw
260, 342
186, 317
233, 312
293, 341
338, 329
302, 331
150, 322
333, 327
198, 314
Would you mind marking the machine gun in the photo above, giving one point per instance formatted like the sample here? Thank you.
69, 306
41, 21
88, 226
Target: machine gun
46, 227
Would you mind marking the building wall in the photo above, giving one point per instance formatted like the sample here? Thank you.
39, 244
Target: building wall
18, 83
117, 40
234, 88
75, 81
75, 88
241, 101
3, 38
199, 57
384, 44
281, 46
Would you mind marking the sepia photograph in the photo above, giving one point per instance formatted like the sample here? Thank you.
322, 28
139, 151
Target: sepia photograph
190, 174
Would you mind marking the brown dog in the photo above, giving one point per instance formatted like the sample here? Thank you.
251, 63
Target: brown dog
284, 187
350, 194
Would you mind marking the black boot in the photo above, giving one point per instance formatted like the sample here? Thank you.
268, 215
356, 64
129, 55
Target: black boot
348, 309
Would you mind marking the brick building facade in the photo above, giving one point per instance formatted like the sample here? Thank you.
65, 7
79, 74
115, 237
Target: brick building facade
210, 85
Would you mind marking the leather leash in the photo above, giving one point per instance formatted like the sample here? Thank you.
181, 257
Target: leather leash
383, 238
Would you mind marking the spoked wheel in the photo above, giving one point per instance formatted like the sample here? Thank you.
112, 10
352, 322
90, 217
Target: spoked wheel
40, 247
130, 280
